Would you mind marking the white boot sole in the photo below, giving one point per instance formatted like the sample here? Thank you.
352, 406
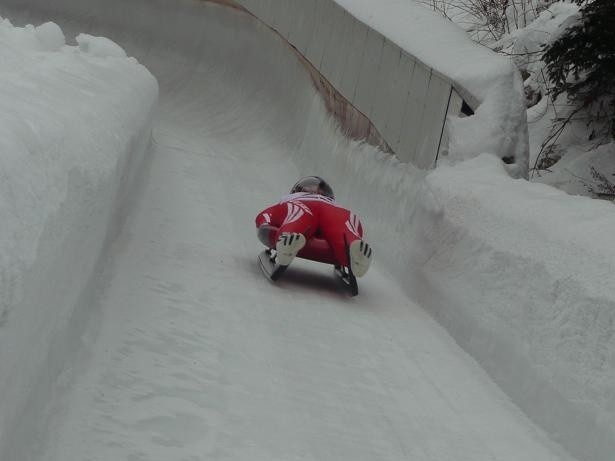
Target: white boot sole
287, 247
360, 257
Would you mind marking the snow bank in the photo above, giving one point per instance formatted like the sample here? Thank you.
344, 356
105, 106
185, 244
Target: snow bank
522, 276
99, 46
74, 126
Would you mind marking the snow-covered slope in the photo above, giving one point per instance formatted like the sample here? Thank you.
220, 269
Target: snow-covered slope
196, 356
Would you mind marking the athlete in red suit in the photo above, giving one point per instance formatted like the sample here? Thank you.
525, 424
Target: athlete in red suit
310, 211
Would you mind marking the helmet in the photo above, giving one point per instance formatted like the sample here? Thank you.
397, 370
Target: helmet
314, 185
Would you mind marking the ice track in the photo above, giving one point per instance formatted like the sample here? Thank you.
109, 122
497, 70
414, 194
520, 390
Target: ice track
196, 356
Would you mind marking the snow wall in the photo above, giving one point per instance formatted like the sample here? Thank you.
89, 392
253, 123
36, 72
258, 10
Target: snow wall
440, 231
68, 172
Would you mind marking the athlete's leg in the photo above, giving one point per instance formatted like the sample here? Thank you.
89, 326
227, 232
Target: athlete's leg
338, 227
298, 226
342, 228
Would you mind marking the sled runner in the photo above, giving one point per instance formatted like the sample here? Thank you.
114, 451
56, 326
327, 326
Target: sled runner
316, 249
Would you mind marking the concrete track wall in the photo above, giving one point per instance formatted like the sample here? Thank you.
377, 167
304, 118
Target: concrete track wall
406, 101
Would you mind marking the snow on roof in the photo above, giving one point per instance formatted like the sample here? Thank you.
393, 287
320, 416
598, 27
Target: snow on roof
434, 40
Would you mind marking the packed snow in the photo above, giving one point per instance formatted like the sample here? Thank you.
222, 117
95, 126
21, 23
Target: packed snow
191, 354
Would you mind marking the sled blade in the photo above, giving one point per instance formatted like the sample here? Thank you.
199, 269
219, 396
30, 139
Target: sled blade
271, 270
346, 273
348, 279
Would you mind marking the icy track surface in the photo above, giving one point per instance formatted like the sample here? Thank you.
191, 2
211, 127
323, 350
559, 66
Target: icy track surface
195, 355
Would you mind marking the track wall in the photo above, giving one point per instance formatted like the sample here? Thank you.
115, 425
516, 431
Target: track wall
406, 101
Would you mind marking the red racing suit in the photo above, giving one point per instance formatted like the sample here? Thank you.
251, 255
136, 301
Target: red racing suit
312, 215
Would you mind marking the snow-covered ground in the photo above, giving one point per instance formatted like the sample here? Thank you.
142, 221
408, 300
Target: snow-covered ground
579, 158
191, 354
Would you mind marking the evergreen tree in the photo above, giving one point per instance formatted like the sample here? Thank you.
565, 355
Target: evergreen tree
581, 62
